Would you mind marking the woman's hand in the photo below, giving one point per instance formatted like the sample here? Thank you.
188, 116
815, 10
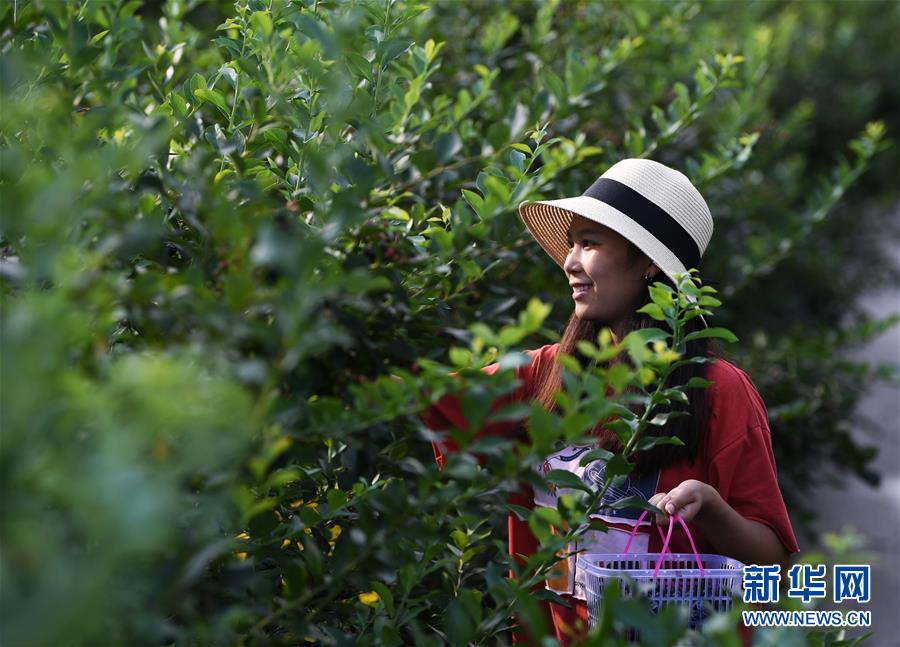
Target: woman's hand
746, 540
686, 499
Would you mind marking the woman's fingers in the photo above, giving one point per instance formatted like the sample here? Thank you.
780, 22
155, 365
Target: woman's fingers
672, 502
676, 501
684, 499
659, 500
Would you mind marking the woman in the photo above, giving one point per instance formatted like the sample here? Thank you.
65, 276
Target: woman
642, 222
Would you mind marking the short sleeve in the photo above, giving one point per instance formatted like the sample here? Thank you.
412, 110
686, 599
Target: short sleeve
447, 411
742, 465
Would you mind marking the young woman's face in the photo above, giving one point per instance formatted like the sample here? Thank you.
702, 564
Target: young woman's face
599, 259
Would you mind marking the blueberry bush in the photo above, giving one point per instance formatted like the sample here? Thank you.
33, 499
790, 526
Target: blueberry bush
244, 244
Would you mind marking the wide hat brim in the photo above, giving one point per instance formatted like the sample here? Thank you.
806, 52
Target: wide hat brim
548, 221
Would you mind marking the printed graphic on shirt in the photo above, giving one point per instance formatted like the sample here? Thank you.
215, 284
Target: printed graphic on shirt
592, 474
568, 578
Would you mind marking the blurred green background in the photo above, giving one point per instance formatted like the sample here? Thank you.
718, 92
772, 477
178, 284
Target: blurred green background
220, 221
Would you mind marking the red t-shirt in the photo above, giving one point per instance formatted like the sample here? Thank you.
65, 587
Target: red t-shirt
735, 458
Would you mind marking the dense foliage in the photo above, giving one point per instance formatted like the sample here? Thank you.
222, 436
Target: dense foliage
224, 225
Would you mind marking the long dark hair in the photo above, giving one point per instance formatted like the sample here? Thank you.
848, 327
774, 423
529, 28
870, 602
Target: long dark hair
689, 428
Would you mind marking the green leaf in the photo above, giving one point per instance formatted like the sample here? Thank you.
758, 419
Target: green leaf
446, 146
576, 74
634, 142
586, 348
472, 600
661, 419
520, 511
179, 104
498, 187
690, 289
511, 335
675, 394
598, 454
568, 479
721, 333
654, 311
277, 136
475, 201
280, 478
682, 101
458, 623
659, 117
621, 429
198, 83
619, 376
617, 466
648, 442
295, 577
634, 501
262, 23
99, 36
552, 82
646, 335
534, 315
697, 382
483, 332
214, 97
387, 598
390, 636
393, 48
460, 539
460, 357
543, 427
309, 515
540, 520
569, 363
661, 295
395, 213
599, 526
336, 499
548, 515
359, 65
229, 73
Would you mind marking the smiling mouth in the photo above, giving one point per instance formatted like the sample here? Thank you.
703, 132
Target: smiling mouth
581, 288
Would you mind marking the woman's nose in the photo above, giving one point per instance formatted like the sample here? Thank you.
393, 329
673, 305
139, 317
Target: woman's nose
572, 263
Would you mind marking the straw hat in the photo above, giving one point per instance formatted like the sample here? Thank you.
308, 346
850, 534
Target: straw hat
652, 205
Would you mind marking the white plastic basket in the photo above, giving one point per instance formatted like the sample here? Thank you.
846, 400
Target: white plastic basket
702, 582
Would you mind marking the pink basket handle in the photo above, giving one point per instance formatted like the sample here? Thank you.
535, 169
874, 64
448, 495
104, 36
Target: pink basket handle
669, 536
634, 530
665, 540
